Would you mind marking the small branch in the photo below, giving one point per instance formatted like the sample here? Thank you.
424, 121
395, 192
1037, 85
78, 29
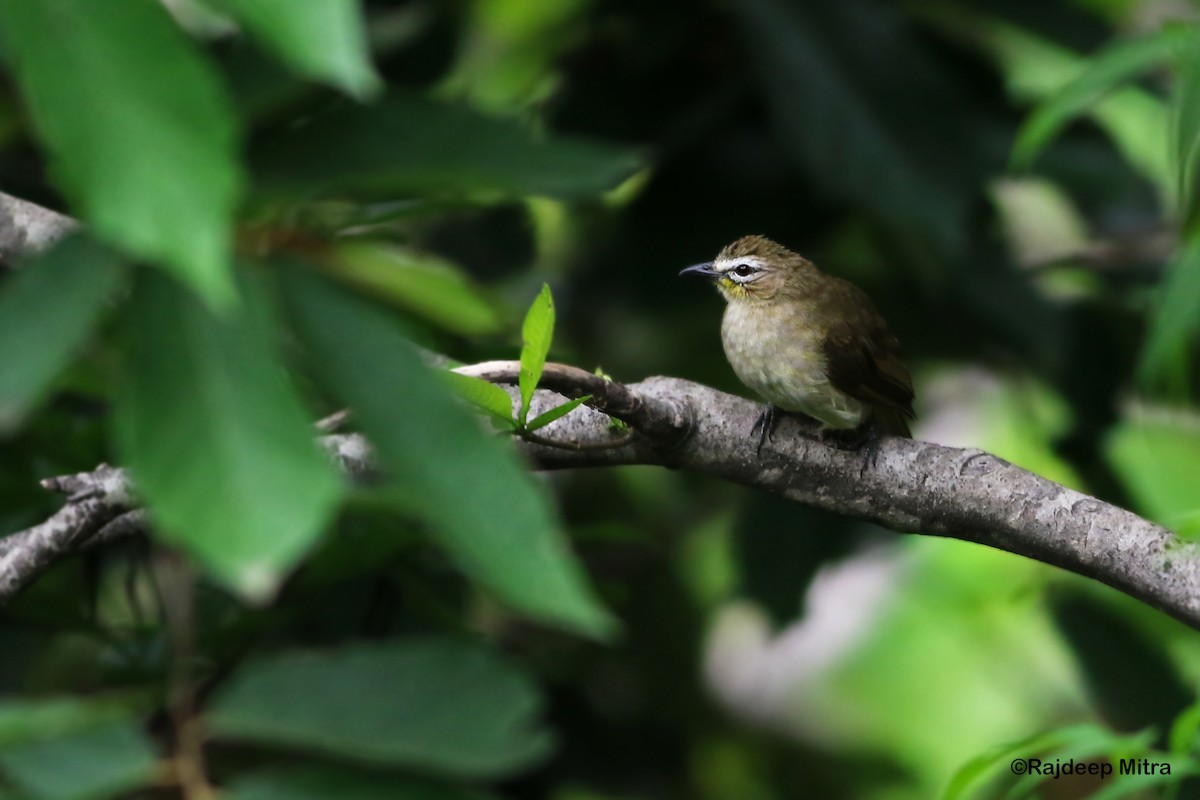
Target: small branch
659, 418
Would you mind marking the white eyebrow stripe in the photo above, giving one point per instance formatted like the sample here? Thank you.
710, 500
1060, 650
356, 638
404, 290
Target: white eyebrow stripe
724, 265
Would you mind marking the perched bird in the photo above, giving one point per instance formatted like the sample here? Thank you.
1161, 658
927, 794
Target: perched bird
808, 342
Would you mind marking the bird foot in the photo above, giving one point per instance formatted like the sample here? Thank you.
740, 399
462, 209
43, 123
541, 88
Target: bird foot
764, 426
865, 439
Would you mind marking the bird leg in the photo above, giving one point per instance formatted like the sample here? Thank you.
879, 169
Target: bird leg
764, 426
864, 438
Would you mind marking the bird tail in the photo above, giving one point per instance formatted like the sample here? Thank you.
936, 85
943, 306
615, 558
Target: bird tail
893, 422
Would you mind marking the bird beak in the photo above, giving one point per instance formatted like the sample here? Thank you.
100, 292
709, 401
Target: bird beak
705, 269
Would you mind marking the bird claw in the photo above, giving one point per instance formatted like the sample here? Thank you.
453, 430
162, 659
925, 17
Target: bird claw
865, 439
764, 426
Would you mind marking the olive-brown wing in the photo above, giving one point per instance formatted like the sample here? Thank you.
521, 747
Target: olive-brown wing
864, 361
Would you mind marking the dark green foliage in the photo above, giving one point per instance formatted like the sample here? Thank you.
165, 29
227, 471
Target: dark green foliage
436, 706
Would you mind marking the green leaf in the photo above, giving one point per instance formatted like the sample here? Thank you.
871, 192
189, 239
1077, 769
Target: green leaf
323, 783
483, 395
98, 737
1105, 72
440, 705
47, 309
409, 144
323, 39
1164, 356
1091, 738
482, 504
97, 763
1157, 460
23, 721
546, 417
1185, 731
139, 133
536, 335
217, 441
425, 285
1036, 69
1185, 122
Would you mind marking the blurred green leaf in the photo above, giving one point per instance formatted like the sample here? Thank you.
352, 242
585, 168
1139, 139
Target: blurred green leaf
1102, 73
1036, 69
1082, 740
47, 310
1157, 460
558, 412
410, 144
324, 783
536, 334
98, 737
426, 285
97, 762
1135, 786
1091, 742
444, 706
323, 39
1164, 359
482, 504
23, 721
1185, 123
483, 395
1185, 731
217, 440
141, 138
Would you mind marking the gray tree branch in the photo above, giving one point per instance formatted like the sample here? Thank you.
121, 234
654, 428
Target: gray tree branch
26, 228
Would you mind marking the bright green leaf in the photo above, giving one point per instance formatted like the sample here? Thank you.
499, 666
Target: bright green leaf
481, 503
47, 310
324, 783
139, 133
1113, 67
96, 763
217, 440
423, 284
324, 39
546, 417
409, 144
442, 706
483, 395
1157, 460
536, 335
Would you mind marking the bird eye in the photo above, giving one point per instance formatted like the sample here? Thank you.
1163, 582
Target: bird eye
743, 270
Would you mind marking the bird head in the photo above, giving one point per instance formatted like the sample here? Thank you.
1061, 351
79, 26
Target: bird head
754, 268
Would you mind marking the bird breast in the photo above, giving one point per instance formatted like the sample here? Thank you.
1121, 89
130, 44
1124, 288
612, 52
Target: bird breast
776, 349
